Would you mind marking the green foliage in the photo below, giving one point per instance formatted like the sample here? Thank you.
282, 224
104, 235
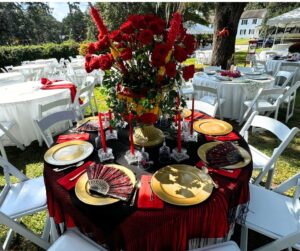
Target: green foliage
14, 55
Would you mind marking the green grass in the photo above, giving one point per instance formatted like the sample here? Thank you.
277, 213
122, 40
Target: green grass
30, 162
242, 41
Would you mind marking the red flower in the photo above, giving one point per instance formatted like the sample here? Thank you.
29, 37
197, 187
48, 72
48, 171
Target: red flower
102, 43
105, 61
126, 37
91, 48
126, 54
88, 58
99, 22
157, 26
138, 21
174, 30
127, 27
146, 37
189, 43
188, 72
94, 63
180, 54
115, 36
159, 54
171, 69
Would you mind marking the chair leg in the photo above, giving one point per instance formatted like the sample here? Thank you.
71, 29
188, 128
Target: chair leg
2, 150
244, 238
47, 229
269, 178
8, 239
12, 138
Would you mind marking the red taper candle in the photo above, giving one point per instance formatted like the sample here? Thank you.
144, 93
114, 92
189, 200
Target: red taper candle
109, 118
131, 133
103, 142
179, 132
192, 115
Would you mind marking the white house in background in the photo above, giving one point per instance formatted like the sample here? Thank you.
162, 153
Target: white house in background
249, 23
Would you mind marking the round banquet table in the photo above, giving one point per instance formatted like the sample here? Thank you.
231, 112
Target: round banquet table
19, 103
120, 226
233, 92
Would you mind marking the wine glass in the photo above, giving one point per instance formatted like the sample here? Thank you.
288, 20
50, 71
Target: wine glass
164, 151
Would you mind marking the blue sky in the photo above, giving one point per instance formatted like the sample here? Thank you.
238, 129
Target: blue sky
61, 9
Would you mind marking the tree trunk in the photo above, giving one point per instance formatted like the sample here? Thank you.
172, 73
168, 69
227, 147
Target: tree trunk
226, 15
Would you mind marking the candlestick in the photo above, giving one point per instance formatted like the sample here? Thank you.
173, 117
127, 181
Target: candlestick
179, 132
109, 118
102, 133
192, 115
131, 134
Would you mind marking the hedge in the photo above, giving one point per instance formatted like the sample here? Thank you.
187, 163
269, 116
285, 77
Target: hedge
15, 55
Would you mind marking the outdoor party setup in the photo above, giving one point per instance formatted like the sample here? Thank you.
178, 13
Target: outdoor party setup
160, 169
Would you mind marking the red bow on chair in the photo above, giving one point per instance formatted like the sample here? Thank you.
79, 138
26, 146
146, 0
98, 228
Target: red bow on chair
224, 32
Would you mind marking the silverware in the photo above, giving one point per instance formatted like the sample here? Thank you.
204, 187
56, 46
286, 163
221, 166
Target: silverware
137, 187
67, 167
77, 175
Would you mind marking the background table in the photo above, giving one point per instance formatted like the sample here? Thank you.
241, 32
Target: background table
19, 103
10, 77
232, 91
171, 228
274, 66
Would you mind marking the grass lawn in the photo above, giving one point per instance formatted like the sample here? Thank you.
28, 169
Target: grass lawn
30, 162
242, 41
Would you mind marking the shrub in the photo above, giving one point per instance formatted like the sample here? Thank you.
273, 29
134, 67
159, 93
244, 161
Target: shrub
15, 55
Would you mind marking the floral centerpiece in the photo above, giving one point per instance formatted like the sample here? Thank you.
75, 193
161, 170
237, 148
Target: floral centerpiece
143, 64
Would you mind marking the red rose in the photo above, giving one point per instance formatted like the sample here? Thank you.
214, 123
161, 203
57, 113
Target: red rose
91, 48
159, 54
115, 36
145, 37
127, 27
102, 43
126, 37
157, 26
188, 72
88, 58
171, 69
126, 54
189, 43
105, 61
149, 18
180, 54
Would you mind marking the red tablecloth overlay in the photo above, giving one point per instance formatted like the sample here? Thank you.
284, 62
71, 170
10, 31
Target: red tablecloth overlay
130, 228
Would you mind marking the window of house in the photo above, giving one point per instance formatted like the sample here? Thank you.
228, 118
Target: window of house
254, 21
244, 22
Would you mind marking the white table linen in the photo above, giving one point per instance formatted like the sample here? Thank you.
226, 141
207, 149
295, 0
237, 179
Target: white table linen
19, 103
10, 77
232, 91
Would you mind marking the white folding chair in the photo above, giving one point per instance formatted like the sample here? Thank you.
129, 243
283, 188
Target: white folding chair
44, 125
74, 240
85, 94
91, 80
20, 199
283, 78
4, 71
266, 101
275, 215
5, 127
8, 68
290, 67
260, 65
289, 99
208, 100
264, 163
225, 246
52, 107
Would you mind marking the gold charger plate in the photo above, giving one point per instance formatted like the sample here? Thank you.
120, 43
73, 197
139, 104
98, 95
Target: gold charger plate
181, 185
212, 127
148, 136
82, 189
69, 152
202, 150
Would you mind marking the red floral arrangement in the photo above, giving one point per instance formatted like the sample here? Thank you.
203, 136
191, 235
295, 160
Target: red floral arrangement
231, 74
143, 58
